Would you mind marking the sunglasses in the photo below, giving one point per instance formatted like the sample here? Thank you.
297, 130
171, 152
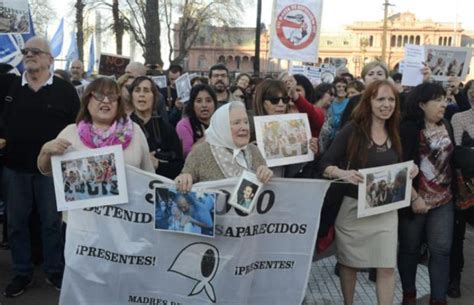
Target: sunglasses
275, 100
100, 97
34, 51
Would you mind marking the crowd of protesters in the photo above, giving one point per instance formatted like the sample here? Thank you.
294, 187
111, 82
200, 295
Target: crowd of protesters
355, 123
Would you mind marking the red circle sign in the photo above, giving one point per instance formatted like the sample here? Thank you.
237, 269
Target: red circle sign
296, 26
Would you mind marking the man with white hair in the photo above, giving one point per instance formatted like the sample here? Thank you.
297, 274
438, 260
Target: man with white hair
77, 74
35, 108
135, 69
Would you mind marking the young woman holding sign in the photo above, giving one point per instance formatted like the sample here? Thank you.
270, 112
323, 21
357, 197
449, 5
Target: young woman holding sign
370, 140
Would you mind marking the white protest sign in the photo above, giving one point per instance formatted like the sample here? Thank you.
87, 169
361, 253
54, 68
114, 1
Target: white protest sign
413, 63
114, 256
295, 30
159, 80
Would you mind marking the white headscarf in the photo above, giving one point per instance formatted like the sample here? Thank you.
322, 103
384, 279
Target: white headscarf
219, 134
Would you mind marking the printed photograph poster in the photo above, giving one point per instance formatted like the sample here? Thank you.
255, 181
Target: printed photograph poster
189, 213
448, 61
284, 139
14, 17
90, 178
183, 87
246, 192
385, 188
160, 81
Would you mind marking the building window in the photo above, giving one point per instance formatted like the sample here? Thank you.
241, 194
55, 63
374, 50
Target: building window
237, 61
445, 41
202, 61
221, 59
371, 41
399, 41
440, 41
393, 41
417, 40
412, 39
346, 43
450, 41
329, 42
405, 40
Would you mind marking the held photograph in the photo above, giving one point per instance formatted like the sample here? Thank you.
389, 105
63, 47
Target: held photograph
14, 16
189, 213
284, 139
384, 189
89, 178
448, 61
246, 192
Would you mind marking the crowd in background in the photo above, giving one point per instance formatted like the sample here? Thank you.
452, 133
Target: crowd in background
356, 122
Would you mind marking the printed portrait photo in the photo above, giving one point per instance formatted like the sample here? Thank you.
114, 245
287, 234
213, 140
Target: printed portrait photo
85, 181
14, 16
190, 213
384, 189
245, 194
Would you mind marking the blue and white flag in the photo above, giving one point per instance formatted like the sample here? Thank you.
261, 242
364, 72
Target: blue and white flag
91, 64
72, 53
57, 40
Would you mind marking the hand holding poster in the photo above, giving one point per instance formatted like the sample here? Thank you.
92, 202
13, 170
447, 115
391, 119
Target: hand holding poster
245, 193
160, 81
114, 255
284, 139
89, 178
295, 29
385, 188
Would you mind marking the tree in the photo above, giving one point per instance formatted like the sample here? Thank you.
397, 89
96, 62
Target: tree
195, 15
41, 13
144, 24
80, 5
118, 26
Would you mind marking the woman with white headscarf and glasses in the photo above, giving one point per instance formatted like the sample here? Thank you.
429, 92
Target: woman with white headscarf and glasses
226, 152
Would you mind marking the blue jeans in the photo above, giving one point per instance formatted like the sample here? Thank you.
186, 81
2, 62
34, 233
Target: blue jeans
23, 191
437, 224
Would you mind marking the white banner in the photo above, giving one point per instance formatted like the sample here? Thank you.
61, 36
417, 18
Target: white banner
115, 257
295, 30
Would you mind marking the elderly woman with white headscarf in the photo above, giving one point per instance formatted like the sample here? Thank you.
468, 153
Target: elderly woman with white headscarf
226, 152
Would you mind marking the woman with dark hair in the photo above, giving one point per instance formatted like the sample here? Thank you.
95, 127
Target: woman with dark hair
305, 88
165, 147
354, 88
198, 112
370, 140
323, 95
101, 122
243, 81
428, 140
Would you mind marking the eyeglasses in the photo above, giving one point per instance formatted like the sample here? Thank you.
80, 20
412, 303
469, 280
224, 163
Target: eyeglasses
100, 97
275, 100
34, 51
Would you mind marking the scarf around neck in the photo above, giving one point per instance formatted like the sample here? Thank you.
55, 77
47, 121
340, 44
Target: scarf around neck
120, 132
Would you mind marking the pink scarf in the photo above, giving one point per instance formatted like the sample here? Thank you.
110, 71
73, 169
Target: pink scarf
119, 133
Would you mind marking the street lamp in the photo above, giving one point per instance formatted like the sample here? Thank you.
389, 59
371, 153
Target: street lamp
384, 33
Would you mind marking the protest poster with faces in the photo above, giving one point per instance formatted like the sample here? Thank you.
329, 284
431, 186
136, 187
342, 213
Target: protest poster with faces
246, 192
183, 87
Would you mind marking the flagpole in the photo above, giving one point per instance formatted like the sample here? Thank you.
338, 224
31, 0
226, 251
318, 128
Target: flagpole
256, 63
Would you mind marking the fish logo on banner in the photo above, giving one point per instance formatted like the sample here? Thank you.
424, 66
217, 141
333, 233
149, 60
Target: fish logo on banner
296, 27
199, 262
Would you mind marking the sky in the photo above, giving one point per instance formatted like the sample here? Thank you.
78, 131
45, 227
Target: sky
336, 13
